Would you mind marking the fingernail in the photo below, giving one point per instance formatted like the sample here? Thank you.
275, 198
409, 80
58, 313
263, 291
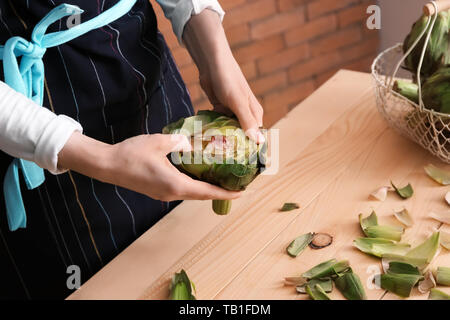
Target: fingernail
184, 143
252, 134
261, 138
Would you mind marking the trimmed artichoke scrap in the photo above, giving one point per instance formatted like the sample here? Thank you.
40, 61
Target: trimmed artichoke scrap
222, 154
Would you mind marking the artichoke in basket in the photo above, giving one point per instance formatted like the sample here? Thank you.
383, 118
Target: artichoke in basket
222, 155
407, 89
436, 91
437, 54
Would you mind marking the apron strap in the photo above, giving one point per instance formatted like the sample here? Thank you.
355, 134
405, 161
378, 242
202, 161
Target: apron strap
28, 79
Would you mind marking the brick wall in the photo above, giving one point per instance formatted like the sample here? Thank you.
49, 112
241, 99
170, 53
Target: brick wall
286, 48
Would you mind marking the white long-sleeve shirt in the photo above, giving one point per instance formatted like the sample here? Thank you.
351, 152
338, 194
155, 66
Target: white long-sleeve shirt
31, 132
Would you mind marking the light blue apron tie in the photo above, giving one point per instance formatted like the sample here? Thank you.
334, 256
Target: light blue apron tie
28, 79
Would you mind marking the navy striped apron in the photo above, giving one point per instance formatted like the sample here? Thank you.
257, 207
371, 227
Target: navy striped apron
118, 82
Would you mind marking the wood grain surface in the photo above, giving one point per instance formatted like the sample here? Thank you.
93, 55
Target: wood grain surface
335, 149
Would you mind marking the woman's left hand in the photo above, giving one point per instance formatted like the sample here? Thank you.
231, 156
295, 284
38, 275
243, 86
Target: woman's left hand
220, 75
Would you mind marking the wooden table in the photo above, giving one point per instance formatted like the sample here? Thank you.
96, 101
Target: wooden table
335, 149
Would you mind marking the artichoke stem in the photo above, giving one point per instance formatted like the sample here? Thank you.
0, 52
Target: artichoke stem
222, 207
407, 89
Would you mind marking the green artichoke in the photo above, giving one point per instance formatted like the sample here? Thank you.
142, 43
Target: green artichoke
436, 91
437, 54
222, 155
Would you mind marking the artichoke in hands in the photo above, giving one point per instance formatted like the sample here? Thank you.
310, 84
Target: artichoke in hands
222, 155
437, 53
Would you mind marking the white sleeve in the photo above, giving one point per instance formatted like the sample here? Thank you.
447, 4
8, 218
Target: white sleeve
31, 132
180, 11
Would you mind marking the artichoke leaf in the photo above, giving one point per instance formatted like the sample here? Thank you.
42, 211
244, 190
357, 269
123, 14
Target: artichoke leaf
349, 284
427, 250
316, 292
404, 217
299, 244
380, 194
427, 283
399, 284
385, 232
443, 276
181, 287
439, 175
289, 206
419, 262
370, 221
295, 281
403, 268
379, 247
405, 192
436, 294
326, 284
325, 269
445, 239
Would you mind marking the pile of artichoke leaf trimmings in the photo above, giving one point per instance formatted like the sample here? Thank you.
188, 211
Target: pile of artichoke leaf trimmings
435, 71
222, 153
317, 282
405, 267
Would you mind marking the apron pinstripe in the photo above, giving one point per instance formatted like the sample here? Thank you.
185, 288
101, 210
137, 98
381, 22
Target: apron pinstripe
118, 81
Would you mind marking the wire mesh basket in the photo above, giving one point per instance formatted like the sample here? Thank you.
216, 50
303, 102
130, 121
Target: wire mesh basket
428, 128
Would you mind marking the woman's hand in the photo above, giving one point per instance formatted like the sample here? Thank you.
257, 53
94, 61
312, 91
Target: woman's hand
220, 75
139, 164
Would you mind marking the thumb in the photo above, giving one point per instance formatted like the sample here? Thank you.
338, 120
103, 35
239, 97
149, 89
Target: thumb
175, 143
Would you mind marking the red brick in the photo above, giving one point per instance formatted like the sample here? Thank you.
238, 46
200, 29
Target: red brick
283, 59
238, 34
314, 66
268, 83
251, 11
353, 14
249, 70
362, 64
196, 92
368, 46
276, 24
321, 7
171, 40
230, 4
293, 94
270, 118
335, 41
286, 5
259, 49
370, 32
181, 56
203, 105
189, 73
324, 77
311, 30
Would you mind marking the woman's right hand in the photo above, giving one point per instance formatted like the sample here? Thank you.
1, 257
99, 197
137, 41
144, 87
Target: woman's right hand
139, 164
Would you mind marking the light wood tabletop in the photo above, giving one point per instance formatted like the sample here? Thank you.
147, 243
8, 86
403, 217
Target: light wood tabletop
335, 149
